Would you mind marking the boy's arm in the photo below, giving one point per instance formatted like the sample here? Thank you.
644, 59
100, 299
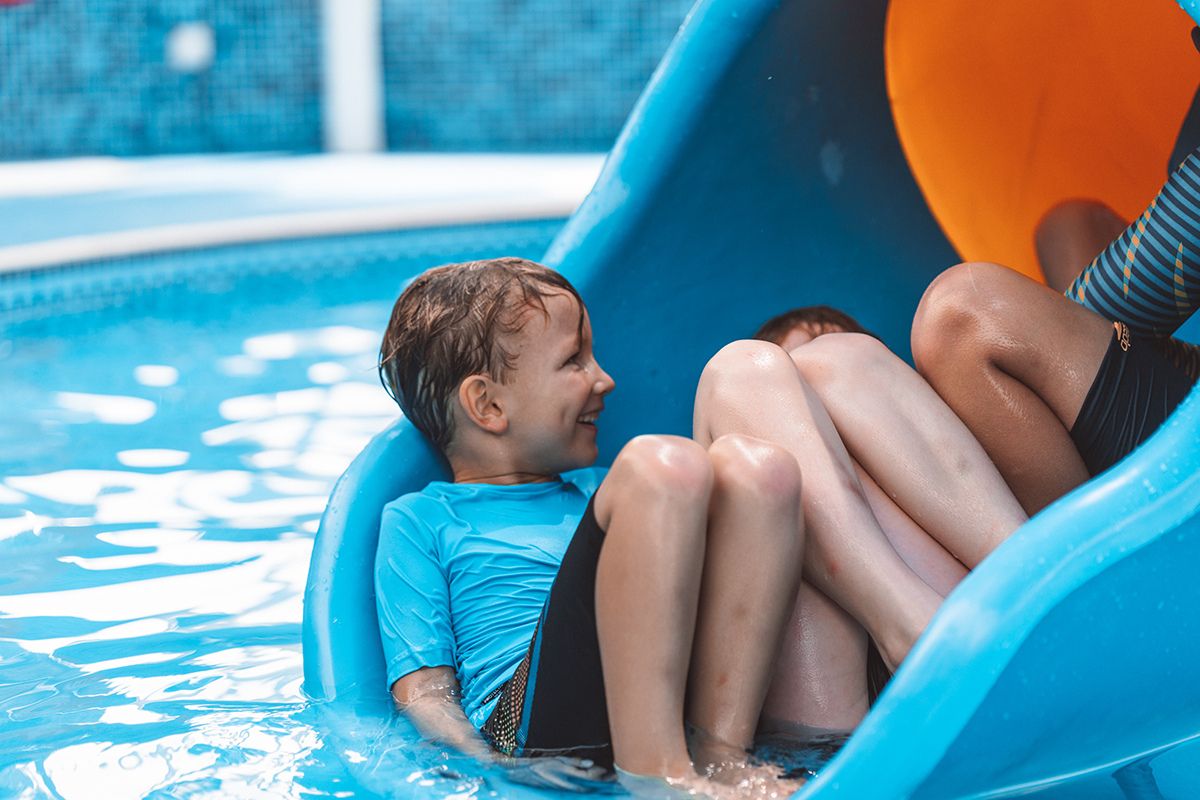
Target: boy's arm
431, 698
413, 600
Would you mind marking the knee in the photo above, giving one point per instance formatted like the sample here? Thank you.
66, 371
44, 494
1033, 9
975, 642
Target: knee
760, 475
842, 357
957, 310
757, 468
747, 363
655, 468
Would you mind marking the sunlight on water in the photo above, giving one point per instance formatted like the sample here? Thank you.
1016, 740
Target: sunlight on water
110, 409
153, 458
156, 375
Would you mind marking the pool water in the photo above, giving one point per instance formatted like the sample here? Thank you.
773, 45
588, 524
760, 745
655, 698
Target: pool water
165, 456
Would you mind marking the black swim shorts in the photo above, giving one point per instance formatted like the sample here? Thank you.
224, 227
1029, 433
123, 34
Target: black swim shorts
554, 704
1137, 387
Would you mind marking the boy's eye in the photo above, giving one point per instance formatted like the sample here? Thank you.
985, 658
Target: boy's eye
574, 359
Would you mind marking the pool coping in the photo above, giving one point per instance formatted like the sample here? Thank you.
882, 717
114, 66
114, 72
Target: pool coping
385, 192
301, 225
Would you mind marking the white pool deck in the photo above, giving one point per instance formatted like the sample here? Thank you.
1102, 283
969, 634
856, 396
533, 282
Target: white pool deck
66, 211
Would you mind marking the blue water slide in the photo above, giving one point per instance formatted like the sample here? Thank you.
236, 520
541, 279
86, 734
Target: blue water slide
761, 170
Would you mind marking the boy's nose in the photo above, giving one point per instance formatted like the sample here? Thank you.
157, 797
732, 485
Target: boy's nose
604, 382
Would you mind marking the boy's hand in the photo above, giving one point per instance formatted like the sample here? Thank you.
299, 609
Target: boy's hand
430, 698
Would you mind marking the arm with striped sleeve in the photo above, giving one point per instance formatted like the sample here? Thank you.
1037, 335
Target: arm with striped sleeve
1149, 277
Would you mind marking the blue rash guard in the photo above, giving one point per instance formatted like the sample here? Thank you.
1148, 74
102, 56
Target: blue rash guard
462, 572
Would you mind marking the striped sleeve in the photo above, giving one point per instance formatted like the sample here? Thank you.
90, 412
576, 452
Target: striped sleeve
1149, 278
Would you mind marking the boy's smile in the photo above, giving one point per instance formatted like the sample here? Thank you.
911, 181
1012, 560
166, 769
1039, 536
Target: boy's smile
555, 393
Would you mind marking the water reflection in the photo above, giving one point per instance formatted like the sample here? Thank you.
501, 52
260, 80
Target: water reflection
336, 340
153, 458
149, 630
327, 372
254, 761
156, 375
179, 499
241, 366
24, 522
109, 409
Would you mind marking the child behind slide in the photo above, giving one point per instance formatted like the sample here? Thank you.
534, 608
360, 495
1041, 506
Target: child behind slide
537, 605
801, 325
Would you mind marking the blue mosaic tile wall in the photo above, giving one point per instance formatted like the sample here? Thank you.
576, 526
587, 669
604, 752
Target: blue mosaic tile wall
519, 74
85, 77
95, 77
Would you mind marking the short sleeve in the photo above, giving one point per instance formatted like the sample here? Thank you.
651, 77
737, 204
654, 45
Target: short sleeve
412, 596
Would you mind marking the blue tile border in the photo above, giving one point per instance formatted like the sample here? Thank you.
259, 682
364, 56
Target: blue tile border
197, 283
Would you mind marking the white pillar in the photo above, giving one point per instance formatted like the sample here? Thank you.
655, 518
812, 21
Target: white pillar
352, 89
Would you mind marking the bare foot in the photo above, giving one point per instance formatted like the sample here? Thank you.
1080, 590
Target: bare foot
729, 771
751, 780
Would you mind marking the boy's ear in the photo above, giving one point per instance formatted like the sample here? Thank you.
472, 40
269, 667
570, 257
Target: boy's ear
479, 397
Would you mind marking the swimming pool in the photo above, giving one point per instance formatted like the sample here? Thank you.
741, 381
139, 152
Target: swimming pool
173, 427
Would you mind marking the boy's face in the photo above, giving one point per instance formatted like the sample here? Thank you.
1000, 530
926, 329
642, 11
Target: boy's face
556, 391
805, 332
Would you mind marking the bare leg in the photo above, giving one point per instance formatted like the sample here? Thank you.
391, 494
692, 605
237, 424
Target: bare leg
704, 542
820, 682
820, 678
751, 575
1015, 361
911, 444
653, 507
923, 554
755, 389
1070, 235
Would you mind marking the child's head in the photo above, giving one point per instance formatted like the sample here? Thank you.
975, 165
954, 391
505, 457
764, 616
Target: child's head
800, 326
492, 360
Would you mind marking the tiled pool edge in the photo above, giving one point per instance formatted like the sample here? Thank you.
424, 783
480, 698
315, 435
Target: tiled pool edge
129, 281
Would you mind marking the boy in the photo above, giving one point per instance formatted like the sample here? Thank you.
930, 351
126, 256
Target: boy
515, 602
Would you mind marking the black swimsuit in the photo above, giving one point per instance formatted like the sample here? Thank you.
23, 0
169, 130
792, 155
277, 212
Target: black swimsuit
1136, 388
